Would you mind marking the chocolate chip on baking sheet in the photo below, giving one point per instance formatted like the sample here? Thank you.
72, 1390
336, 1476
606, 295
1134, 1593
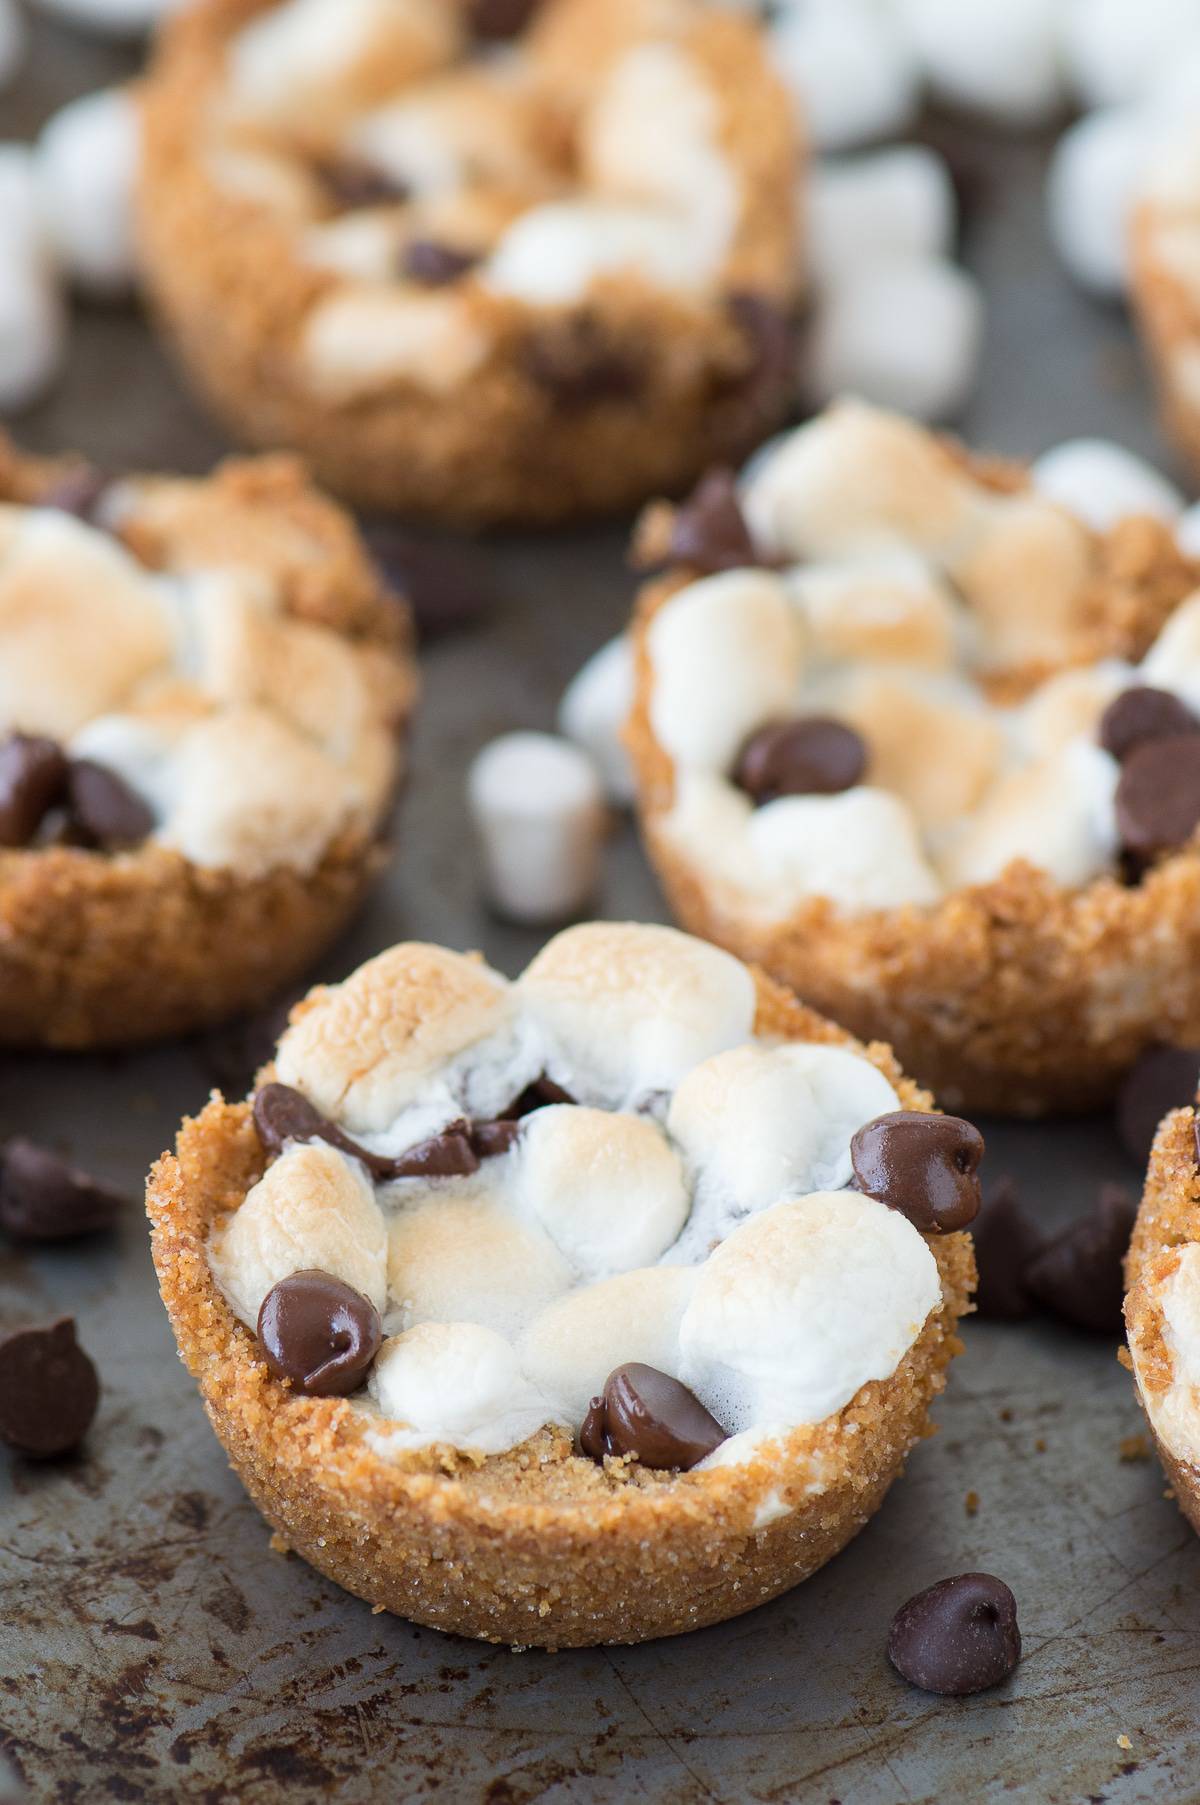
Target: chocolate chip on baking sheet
1006, 1239
282, 1114
45, 1198
925, 1166
435, 265
352, 183
1158, 795
957, 1637
647, 1415
813, 756
103, 809
1160, 1080
499, 19
319, 1333
1078, 1274
33, 780
48, 1389
1142, 714
708, 531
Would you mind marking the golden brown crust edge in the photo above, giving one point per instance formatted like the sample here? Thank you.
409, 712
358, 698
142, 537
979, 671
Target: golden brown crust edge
231, 298
101, 951
1168, 314
529, 1548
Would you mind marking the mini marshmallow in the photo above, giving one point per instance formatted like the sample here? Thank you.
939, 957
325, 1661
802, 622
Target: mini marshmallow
359, 339
998, 57
627, 1010
1116, 52
314, 1209
902, 331
1173, 661
896, 203
1024, 572
1175, 1412
727, 655
594, 709
1057, 815
607, 1187
538, 808
112, 18
455, 1382
14, 41
1103, 484
932, 741
852, 72
86, 167
1095, 174
571, 1348
1187, 533
801, 1306
889, 607
551, 255
861, 849
33, 334
459, 1257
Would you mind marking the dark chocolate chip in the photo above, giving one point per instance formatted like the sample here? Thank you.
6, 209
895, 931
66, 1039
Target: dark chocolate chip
925, 1166
103, 809
282, 1114
1160, 1080
434, 264
1138, 715
767, 384
446, 590
492, 1139
575, 363
810, 757
709, 531
445, 1155
45, 1198
48, 1389
1006, 1239
1078, 1274
351, 183
957, 1637
1158, 795
645, 1414
33, 780
500, 19
79, 492
538, 1095
319, 1333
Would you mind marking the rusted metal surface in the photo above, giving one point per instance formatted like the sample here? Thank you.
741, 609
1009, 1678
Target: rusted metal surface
151, 1645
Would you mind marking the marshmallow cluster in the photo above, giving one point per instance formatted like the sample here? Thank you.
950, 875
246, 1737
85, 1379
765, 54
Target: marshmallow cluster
253, 737
905, 585
688, 1209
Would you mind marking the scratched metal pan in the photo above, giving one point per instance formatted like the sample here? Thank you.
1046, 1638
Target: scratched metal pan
152, 1647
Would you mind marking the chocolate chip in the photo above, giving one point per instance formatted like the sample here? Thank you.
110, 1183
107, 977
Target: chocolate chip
352, 183
436, 265
810, 757
499, 19
1160, 1080
282, 1114
1158, 795
925, 1166
446, 591
48, 1389
709, 531
33, 779
1078, 1274
493, 1139
319, 1333
103, 809
575, 363
445, 1155
78, 492
1142, 714
648, 1415
957, 1637
768, 379
44, 1198
1006, 1239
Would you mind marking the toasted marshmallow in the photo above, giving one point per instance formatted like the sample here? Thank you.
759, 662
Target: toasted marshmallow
453, 1382
466, 128
551, 255
932, 742
727, 654
363, 338
627, 1010
571, 1348
314, 1209
801, 1306
1023, 573
1058, 815
1173, 661
859, 849
307, 55
607, 1187
459, 1257
1069, 706
891, 607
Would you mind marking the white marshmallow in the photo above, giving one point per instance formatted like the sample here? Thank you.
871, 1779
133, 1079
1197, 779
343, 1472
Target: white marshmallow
33, 336
1187, 532
727, 656
571, 1348
998, 57
1116, 52
1175, 1412
539, 814
112, 18
1102, 484
14, 41
801, 1306
606, 1187
453, 1382
86, 166
1057, 815
896, 203
1095, 173
905, 332
859, 849
551, 255
851, 71
594, 709
1173, 661
359, 339
305, 52
460, 1257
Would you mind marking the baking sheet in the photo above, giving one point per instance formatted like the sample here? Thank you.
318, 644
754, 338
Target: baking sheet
152, 1647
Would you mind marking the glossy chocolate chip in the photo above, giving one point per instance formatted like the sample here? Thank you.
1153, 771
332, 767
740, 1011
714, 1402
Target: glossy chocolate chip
446, 590
647, 1415
79, 492
709, 531
319, 1333
48, 1389
493, 1139
1078, 1275
103, 809
957, 1637
1158, 795
282, 1114
45, 1198
351, 183
1006, 1240
1160, 1080
809, 757
33, 780
1142, 714
576, 365
538, 1095
445, 1155
925, 1166
434, 264
500, 19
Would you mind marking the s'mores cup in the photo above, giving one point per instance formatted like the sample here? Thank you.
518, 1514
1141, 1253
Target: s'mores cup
1165, 272
203, 690
586, 1308
478, 259
927, 748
